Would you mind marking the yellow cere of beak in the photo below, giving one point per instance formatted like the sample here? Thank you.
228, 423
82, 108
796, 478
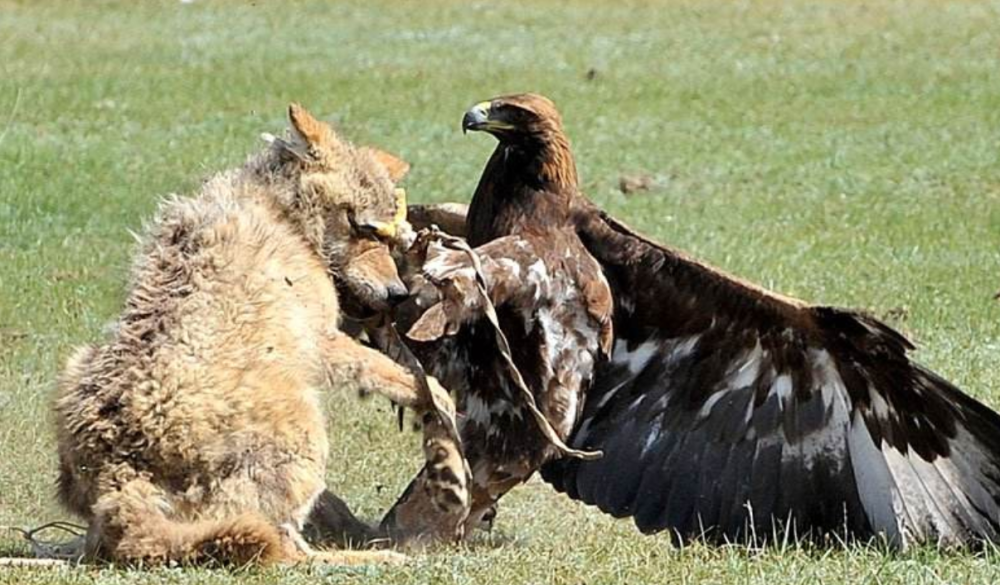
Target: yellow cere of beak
389, 230
385, 230
400, 216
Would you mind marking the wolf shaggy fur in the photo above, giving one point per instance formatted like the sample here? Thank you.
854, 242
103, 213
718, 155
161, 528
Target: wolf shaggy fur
196, 431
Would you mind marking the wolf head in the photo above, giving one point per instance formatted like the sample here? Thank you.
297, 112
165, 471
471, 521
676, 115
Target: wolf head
346, 201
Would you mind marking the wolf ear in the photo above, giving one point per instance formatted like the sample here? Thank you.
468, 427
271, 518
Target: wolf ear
305, 127
396, 166
306, 134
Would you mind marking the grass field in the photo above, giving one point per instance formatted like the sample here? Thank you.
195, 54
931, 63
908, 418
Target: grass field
846, 153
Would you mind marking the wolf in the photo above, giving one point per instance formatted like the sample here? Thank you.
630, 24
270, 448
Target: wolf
195, 432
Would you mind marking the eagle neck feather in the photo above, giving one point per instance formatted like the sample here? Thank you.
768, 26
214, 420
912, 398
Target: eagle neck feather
527, 185
557, 169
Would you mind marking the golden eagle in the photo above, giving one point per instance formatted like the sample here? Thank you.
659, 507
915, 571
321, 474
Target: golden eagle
722, 410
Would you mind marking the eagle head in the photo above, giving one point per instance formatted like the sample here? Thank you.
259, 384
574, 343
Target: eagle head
515, 118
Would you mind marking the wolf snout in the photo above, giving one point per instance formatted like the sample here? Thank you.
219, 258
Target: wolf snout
396, 293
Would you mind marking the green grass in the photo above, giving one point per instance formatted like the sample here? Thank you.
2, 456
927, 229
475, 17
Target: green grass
845, 153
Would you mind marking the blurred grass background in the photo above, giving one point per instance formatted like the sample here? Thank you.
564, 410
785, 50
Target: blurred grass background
843, 152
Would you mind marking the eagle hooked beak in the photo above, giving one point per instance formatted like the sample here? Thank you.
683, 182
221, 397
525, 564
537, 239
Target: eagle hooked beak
478, 118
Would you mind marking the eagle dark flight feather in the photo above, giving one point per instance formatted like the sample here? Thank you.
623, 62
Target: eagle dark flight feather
735, 413
727, 411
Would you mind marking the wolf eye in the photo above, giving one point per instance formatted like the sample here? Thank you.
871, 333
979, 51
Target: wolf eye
365, 230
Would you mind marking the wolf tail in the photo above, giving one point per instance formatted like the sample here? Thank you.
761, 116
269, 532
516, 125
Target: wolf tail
134, 524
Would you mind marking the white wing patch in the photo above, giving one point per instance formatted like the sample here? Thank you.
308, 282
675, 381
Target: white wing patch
876, 489
538, 279
931, 493
511, 266
637, 359
710, 402
608, 396
782, 387
476, 409
651, 435
827, 443
684, 347
910, 499
445, 263
481, 412
967, 462
879, 404
746, 373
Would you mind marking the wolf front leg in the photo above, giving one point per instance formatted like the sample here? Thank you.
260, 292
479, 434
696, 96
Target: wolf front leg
374, 372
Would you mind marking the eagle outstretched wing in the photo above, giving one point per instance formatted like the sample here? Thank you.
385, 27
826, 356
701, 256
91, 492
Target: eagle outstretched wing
735, 414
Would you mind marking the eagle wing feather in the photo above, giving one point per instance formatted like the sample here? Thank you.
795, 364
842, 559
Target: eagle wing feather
734, 414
